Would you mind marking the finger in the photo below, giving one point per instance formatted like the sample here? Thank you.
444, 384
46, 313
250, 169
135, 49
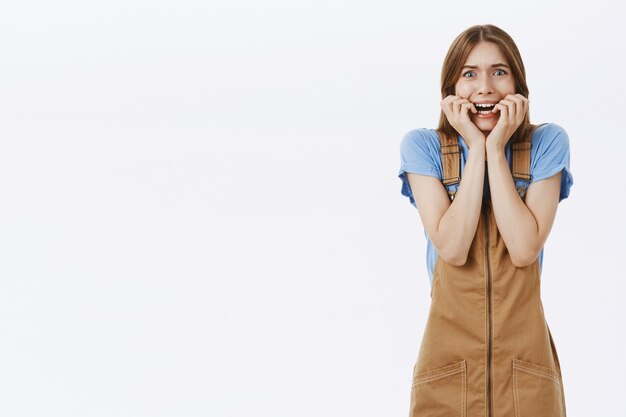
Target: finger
463, 110
519, 102
518, 106
521, 107
513, 111
462, 101
503, 109
525, 103
458, 103
510, 108
447, 105
456, 106
447, 101
521, 97
469, 106
514, 97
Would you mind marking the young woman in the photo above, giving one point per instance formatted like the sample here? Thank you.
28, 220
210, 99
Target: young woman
486, 184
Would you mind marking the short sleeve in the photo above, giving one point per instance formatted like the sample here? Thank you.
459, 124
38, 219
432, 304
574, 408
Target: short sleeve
419, 150
551, 156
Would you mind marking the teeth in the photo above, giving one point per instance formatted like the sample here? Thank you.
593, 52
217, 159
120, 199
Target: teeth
484, 105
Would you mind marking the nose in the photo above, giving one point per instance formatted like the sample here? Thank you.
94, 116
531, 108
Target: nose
485, 85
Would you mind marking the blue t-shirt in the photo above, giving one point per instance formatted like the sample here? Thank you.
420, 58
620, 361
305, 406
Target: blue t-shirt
420, 154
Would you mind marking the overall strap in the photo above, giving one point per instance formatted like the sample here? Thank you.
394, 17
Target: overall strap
521, 162
450, 161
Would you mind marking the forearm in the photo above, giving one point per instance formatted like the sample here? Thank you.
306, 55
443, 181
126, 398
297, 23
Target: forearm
516, 224
457, 226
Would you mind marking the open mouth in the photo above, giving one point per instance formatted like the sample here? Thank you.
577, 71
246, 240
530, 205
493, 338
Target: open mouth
484, 108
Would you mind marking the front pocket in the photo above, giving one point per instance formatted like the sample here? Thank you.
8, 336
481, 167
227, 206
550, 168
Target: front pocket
440, 392
536, 390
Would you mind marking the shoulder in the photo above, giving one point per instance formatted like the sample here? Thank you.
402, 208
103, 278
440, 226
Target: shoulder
550, 145
550, 154
420, 140
420, 152
421, 137
549, 135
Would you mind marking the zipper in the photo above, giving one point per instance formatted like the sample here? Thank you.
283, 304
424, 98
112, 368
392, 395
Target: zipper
489, 394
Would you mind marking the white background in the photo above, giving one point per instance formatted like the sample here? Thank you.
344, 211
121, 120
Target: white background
200, 213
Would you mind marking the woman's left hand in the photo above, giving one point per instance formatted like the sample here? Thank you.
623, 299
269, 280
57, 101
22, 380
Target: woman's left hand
512, 110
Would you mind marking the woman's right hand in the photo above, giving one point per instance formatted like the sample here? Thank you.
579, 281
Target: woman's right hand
456, 110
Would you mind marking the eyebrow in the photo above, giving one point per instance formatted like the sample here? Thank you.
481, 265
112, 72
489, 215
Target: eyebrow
493, 66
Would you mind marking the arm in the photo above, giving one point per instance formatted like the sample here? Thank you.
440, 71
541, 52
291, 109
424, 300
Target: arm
451, 226
523, 227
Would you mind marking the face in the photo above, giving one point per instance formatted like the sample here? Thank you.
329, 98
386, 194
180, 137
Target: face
485, 78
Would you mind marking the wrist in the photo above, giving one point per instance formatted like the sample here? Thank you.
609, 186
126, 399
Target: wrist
477, 146
479, 150
494, 149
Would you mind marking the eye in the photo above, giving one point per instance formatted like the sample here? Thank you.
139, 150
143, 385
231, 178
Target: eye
467, 73
503, 71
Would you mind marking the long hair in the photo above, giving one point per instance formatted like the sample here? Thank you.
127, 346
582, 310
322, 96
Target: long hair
456, 57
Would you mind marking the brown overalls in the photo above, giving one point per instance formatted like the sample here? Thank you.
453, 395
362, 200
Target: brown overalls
486, 350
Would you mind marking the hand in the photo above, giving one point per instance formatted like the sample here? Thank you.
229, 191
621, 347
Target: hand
512, 110
456, 110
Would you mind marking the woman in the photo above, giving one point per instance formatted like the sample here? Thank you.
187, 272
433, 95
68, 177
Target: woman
486, 184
